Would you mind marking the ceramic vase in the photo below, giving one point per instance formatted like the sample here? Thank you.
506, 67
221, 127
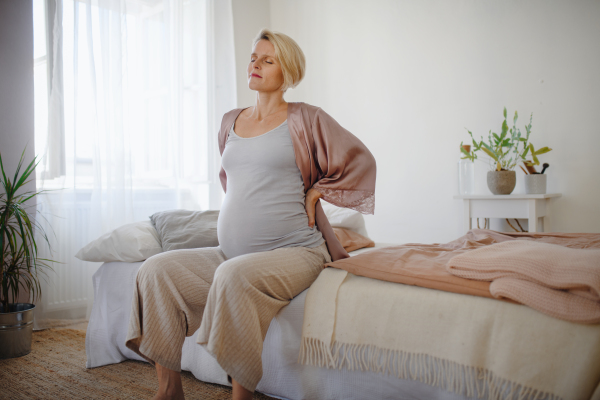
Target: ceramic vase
501, 182
535, 183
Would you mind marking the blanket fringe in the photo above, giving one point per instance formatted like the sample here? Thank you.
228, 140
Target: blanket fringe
448, 375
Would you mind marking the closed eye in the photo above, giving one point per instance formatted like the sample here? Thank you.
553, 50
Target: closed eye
266, 61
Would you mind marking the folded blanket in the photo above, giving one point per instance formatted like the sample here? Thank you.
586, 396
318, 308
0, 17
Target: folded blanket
559, 281
422, 264
470, 345
425, 264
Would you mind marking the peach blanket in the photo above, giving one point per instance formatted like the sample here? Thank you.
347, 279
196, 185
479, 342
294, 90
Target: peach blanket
559, 281
425, 265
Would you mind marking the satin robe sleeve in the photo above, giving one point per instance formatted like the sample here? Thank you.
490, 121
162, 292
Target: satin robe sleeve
347, 169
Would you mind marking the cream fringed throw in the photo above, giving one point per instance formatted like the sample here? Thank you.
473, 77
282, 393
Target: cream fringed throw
471, 345
556, 280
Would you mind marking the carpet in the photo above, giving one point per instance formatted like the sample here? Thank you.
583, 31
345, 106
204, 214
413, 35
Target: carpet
55, 369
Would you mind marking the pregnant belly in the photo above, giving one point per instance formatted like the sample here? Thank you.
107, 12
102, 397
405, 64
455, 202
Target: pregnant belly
244, 228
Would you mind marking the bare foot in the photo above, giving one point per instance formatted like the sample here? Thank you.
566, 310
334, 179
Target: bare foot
240, 392
169, 384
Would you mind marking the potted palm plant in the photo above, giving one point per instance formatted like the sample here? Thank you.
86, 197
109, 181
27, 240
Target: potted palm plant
505, 153
19, 263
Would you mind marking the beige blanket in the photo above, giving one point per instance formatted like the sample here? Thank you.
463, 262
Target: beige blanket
469, 345
559, 281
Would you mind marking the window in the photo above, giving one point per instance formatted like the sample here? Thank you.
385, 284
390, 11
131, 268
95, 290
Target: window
133, 92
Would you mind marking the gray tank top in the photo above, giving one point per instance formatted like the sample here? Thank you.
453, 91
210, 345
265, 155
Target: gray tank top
263, 208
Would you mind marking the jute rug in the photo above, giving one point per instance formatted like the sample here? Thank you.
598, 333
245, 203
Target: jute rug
55, 369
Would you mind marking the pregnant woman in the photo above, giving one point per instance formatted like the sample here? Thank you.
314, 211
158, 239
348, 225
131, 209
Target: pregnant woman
278, 160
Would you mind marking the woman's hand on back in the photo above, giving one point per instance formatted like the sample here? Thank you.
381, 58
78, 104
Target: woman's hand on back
310, 203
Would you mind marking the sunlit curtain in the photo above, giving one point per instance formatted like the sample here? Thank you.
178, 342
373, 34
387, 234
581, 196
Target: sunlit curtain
129, 100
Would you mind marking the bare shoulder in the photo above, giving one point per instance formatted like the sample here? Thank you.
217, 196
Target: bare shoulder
246, 112
231, 114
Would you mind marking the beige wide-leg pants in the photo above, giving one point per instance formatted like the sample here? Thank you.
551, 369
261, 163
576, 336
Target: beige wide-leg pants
231, 303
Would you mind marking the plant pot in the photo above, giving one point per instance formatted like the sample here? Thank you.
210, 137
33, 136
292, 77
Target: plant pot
16, 327
501, 182
535, 184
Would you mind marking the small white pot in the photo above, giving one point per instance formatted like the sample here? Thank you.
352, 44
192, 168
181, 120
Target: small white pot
535, 183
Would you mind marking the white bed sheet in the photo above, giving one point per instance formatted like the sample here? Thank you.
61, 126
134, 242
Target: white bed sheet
283, 377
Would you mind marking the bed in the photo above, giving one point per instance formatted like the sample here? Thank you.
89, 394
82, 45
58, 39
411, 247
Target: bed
285, 377
282, 378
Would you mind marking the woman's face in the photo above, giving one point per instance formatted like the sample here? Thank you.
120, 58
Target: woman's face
264, 70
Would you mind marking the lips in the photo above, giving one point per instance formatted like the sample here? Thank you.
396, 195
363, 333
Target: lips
257, 76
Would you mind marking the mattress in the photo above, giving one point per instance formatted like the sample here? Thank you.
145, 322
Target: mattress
282, 378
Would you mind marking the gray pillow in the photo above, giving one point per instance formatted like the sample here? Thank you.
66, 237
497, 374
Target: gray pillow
186, 229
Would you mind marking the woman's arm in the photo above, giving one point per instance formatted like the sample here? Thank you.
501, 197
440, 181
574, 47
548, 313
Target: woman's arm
315, 212
310, 203
347, 169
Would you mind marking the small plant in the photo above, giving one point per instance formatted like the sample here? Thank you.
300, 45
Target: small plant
18, 249
503, 148
534, 153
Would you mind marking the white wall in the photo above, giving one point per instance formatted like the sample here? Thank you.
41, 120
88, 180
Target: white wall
16, 84
16, 93
249, 17
407, 77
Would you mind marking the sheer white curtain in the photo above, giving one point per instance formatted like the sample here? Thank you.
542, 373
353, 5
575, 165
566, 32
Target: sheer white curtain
135, 95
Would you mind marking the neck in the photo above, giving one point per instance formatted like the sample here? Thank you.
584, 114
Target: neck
268, 104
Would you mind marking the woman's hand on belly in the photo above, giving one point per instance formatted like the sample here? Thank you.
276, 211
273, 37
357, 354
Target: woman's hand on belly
310, 203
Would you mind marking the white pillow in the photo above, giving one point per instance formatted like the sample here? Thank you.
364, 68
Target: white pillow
345, 218
129, 243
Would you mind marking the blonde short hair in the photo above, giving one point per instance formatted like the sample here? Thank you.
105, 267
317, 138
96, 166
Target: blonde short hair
289, 54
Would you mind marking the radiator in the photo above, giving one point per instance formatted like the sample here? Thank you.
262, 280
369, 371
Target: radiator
68, 292
68, 286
